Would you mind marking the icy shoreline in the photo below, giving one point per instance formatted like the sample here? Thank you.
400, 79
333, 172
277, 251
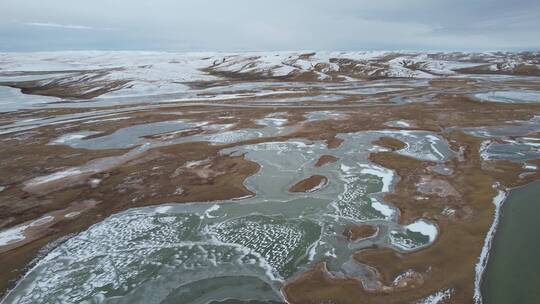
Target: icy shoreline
480, 268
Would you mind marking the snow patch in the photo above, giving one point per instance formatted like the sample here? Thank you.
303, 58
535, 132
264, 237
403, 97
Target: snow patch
72, 214
12, 235
498, 201
384, 209
424, 228
530, 167
386, 175
437, 298
210, 210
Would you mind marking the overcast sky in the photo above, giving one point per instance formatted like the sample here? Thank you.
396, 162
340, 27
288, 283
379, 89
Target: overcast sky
239, 25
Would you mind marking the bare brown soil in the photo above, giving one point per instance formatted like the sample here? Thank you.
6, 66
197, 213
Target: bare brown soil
357, 232
326, 159
521, 69
75, 90
153, 178
309, 184
167, 174
434, 268
390, 143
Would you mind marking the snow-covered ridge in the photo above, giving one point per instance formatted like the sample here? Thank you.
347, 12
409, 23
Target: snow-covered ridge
144, 73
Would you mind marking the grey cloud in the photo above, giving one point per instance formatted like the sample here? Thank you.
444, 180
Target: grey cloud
57, 25
196, 25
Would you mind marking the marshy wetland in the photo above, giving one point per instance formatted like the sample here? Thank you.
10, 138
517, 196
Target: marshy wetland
267, 178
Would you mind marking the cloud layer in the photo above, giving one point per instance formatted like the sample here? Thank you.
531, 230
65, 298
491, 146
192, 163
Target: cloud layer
231, 25
57, 25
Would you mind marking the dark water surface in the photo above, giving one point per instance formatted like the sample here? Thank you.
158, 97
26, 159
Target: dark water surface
513, 271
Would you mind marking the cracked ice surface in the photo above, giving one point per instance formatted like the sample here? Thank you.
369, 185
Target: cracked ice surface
270, 236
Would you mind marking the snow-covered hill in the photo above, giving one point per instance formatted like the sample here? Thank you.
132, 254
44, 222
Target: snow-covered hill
94, 73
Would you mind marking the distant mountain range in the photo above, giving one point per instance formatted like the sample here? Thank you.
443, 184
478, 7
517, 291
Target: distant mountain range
88, 74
